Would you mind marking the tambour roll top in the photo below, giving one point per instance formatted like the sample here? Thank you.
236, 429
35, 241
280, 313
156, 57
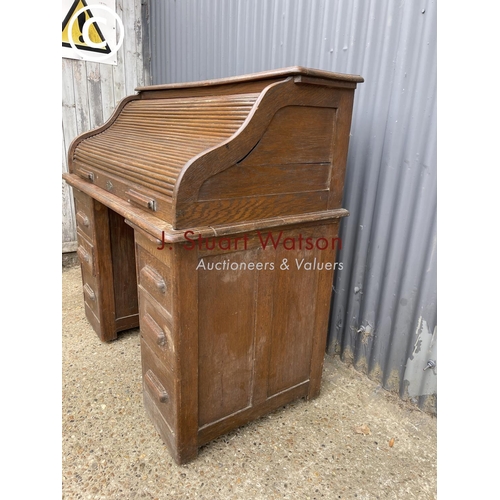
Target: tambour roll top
221, 152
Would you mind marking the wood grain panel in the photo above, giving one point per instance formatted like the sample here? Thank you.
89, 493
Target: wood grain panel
155, 277
244, 180
296, 134
233, 210
292, 324
124, 269
226, 338
160, 379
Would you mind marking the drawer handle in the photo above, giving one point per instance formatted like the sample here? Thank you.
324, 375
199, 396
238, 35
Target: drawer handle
83, 254
151, 275
82, 219
88, 291
86, 174
157, 330
155, 386
141, 200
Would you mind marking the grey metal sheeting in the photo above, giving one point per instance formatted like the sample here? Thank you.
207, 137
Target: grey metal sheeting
384, 307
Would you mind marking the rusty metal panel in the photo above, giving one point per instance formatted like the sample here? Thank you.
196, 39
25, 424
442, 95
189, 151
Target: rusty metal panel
384, 309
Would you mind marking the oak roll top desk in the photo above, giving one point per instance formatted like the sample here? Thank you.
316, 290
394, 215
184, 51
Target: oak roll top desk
200, 210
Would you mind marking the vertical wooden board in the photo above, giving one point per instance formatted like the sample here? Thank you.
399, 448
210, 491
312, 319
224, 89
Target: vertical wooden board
226, 337
292, 325
123, 261
322, 313
69, 118
81, 96
296, 134
340, 147
142, 47
104, 270
107, 91
129, 46
185, 324
119, 87
263, 319
68, 211
94, 91
69, 131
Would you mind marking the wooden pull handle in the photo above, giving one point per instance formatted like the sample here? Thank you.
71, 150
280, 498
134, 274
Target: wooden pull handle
83, 255
86, 174
82, 219
89, 292
141, 200
154, 277
157, 330
155, 386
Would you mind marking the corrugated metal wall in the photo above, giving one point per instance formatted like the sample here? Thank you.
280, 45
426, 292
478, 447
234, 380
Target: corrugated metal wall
91, 91
384, 308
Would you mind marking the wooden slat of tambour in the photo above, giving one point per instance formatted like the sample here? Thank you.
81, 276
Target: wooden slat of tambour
170, 171
159, 137
194, 121
151, 153
159, 147
169, 175
115, 161
212, 100
215, 110
157, 169
202, 109
206, 128
207, 113
181, 113
230, 114
151, 140
172, 162
161, 182
200, 132
160, 187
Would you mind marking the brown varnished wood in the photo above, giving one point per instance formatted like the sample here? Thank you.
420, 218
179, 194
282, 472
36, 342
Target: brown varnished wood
297, 134
253, 180
263, 207
107, 257
339, 153
226, 338
271, 100
298, 71
124, 278
174, 92
186, 324
318, 317
188, 176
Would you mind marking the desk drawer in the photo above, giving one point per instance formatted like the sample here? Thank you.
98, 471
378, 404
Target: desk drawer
85, 252
90, 290
84, 214
157, 330
155, 278
159, 384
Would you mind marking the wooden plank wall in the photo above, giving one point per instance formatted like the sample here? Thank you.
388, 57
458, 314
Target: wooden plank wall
91, 91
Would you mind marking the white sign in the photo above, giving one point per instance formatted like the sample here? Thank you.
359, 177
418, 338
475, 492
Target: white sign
89, 30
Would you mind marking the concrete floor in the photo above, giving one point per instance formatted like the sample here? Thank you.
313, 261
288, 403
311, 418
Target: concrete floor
335, 447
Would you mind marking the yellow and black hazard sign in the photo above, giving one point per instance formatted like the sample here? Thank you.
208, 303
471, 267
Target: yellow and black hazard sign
79, 28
